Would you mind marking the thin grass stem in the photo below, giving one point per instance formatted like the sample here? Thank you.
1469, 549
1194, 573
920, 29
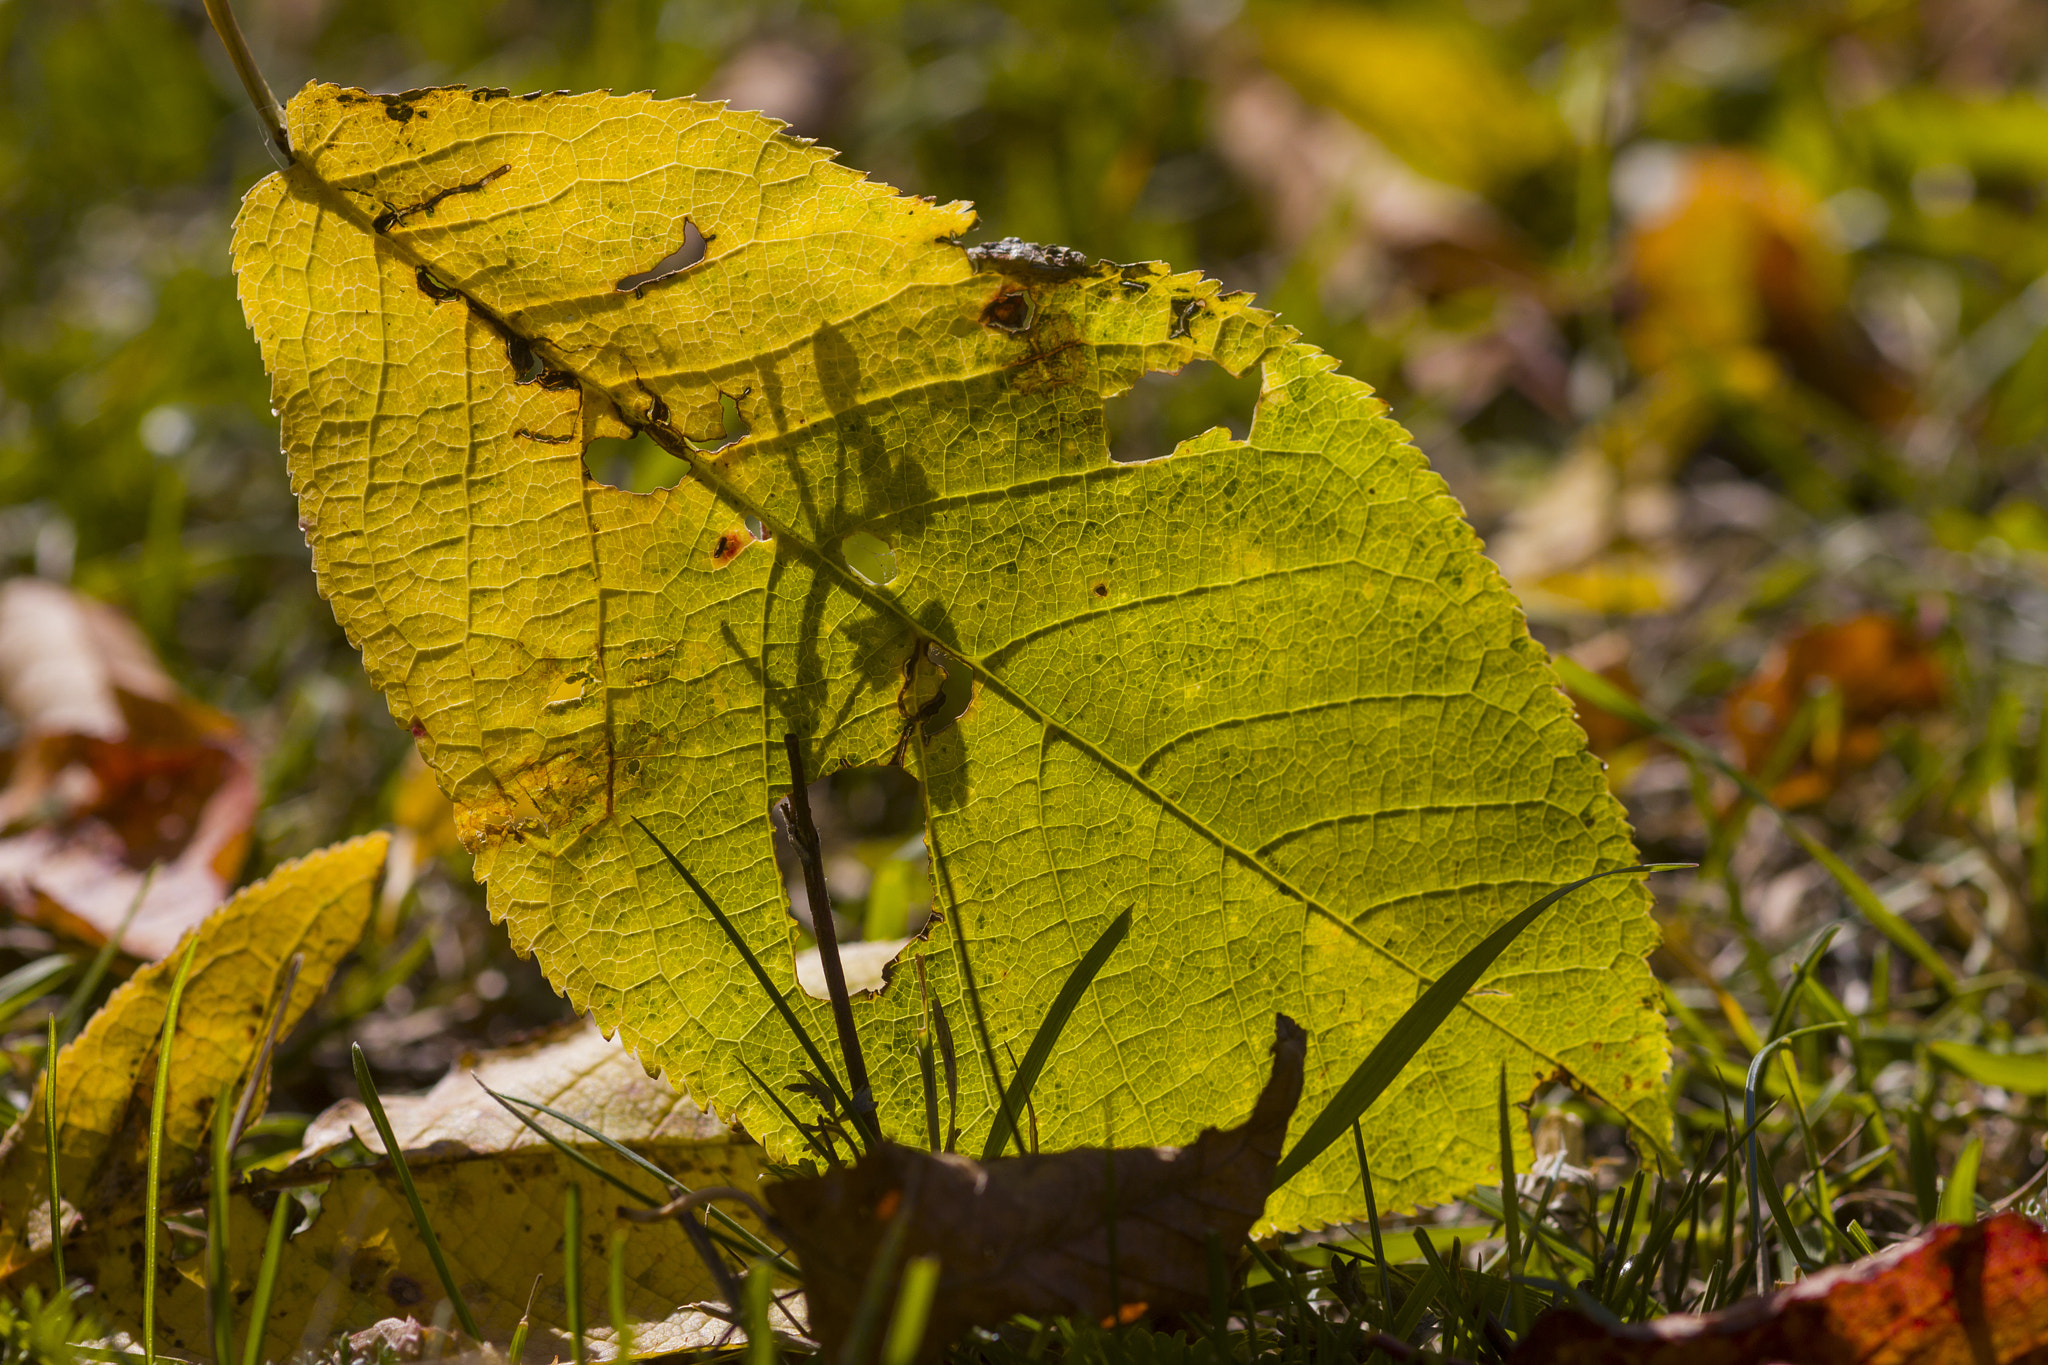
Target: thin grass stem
266, 1280
50, 1147
572, 1269
220, 1304
152, 1195
375, 1104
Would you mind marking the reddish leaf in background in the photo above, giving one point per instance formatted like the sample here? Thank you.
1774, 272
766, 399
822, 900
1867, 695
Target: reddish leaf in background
114, 770
1973, 1295
1103, 1234
1878, 670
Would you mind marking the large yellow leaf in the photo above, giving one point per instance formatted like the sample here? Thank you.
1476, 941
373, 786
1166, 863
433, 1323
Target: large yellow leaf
105, 1078
1266, 693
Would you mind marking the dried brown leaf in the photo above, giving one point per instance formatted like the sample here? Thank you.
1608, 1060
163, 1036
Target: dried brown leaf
1958, 1296
1033, 1234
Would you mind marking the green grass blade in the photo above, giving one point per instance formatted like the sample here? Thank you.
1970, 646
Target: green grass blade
881, 1277
50, 1147
1920, 1166
152, 1194
572, 1268
1372, 1221
375, 1104
913, 1311
220, 1303
30, 982
755, 1295
1888, 922
1959, 1196
1510, 1203
622, 1326
1415, 1026
749, 1242
266, 1280
1749, 1121
1788, 1230
617, 1181
775, 997
1049, 1030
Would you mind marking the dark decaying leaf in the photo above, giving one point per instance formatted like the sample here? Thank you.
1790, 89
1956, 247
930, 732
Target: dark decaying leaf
1035, 1234
1973, 1295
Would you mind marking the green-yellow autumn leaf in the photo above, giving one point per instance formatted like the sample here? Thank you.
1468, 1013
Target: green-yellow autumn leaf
494, 1193
316, 906
1266, 694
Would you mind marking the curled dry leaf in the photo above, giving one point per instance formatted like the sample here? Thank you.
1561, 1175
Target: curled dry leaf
1973, 1295
117, 770
317, 907
1106, 1234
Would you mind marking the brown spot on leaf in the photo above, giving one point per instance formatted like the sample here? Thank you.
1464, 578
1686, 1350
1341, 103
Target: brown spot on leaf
1010, 310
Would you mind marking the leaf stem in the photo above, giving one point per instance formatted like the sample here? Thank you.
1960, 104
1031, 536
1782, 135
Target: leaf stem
267, 107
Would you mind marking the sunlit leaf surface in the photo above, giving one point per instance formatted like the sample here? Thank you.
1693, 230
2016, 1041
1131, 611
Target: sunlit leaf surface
1264, 692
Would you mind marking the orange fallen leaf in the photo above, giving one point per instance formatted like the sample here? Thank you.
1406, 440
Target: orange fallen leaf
1033, 1234
116, 771
1877, 669
1973, 1295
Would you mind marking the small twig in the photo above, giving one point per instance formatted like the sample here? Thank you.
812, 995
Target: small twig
804, 834
267, 107
284, 1004
2002, 1205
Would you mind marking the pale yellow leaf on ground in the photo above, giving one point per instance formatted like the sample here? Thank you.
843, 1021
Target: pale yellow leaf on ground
317, 906
575, 1070
499, 1219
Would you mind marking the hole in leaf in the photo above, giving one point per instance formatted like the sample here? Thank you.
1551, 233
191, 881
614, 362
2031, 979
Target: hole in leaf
675, 263
732, 427
870, 828
872, 558
1161, 410
758, 529
635, 464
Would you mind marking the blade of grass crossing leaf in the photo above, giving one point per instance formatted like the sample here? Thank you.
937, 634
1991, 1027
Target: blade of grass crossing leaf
375, 1104
572, 1268
50, 1148
266, 1280
152, 1194
1025, 1079
1608, 697
220, 1302
620, 1182
1372, 1220
755, 1296
622, 1326
775, 997
830, 1157
1416, 1025
1510, 1201
913, 1311
1959, 1196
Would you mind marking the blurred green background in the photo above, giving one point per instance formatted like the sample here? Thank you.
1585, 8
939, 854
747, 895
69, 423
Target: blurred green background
1723, 322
